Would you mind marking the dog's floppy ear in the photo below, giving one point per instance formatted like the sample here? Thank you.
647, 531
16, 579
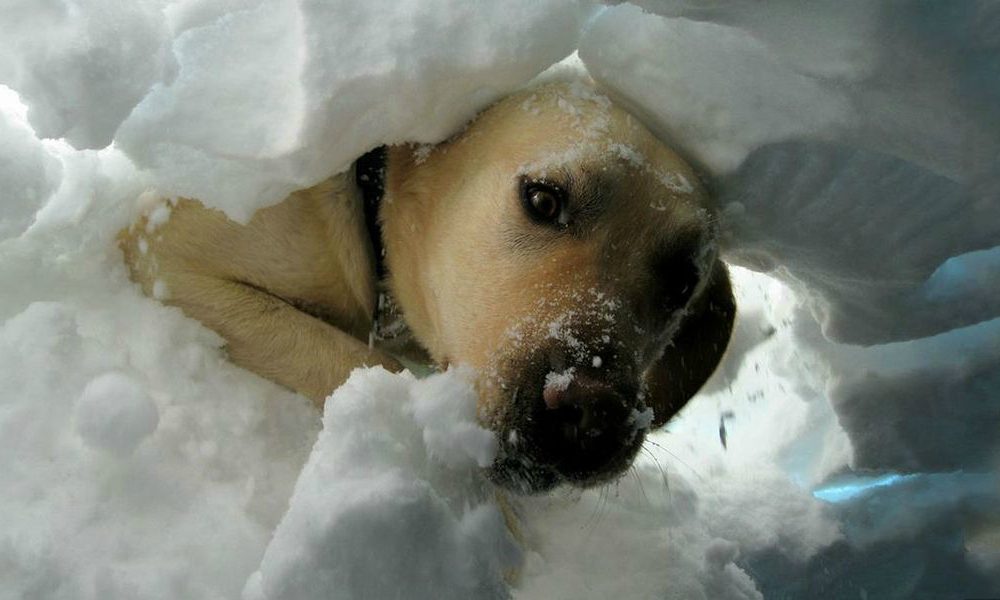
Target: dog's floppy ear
696, 350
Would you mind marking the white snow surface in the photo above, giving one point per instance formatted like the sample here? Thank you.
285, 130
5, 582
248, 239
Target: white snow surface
855, 151
392, 499
240, 103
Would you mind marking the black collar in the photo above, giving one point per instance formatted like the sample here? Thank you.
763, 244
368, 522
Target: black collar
388, 324
369, 175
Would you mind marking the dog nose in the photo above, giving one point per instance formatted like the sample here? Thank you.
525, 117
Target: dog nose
582, 424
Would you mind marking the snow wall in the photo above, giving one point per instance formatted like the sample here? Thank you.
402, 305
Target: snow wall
855, 147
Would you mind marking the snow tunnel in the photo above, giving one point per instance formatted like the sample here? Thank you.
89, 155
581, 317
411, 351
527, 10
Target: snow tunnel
847, 447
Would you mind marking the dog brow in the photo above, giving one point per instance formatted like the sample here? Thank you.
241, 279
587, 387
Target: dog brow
589, 195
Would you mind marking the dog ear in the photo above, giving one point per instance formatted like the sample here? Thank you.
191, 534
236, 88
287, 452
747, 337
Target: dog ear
696, 350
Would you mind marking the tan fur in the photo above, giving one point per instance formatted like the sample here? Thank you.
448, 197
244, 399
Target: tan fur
251, 283
293, 291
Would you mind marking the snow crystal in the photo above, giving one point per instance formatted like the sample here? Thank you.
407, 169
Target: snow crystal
160, 289
421, 153
561, 328
157, 217
675, 182
558, 382
641, 420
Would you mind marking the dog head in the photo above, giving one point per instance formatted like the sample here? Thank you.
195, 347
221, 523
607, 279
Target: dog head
570, 257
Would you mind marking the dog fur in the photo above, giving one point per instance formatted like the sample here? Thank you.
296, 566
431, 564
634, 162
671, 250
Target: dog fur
623, 296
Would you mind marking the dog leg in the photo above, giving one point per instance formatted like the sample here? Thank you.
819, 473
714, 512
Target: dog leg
272, 338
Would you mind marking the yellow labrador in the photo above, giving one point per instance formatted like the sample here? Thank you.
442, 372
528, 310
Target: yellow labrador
555, 245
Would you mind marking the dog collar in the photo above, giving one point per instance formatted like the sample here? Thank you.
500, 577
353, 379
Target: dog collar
369, 176
388, 324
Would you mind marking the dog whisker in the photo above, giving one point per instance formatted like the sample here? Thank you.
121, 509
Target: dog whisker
656, 461
593, 520
638, 479
678, 459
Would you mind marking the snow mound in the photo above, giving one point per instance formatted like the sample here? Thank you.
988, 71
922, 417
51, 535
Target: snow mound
392, 502
240, 105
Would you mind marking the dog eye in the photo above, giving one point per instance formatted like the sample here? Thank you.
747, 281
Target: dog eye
545, 203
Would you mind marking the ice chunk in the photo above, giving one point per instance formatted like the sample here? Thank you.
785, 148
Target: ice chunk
114, 413
392, 502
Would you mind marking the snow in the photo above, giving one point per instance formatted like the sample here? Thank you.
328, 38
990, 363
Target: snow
391, 499
81, 68
855, 153
722, 91
788, 133
29, 176
558, 382
115, 414
295, 69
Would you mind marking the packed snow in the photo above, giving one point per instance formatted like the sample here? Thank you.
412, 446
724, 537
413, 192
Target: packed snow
848, 446
114, 413
391, 499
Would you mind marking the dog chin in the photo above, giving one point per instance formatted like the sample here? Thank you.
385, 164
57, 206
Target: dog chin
521, 474
514, 476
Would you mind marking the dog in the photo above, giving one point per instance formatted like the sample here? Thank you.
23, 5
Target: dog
555, 245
